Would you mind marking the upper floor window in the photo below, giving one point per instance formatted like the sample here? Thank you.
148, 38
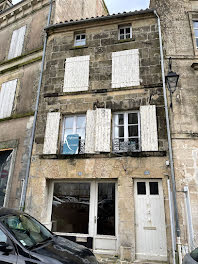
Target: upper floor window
16, 44
74, 125
195, 25
126, 132
80, 39
125, 32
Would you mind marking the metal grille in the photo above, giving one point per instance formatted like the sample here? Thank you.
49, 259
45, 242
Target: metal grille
127, 145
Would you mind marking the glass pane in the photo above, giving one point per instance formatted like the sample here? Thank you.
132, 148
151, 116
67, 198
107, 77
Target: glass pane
3, 237
5, 161
81, 121
70, 209
197, 42
121, 119
196, 33
133, 118
141, 188
121, 31
77, 37
128, 30
83, 36
128, 36
133, 131
194, 254
154, 188
121, 36
121, 131
195, 24
81, 133
69, 122
133, 144
67, 132
106, 209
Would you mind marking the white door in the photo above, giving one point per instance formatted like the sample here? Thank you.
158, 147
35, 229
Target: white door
150, 220
104, 223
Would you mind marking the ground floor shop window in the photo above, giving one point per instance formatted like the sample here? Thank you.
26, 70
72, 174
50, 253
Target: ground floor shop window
84, 208
5, 162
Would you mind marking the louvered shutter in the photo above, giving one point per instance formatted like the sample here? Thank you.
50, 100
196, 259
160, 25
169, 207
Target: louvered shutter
7, 95
90, 131
103, 130
16, 44
76, 74
51, 133
149, 138
125, 68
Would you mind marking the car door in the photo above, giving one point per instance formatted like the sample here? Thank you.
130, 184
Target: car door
7, 249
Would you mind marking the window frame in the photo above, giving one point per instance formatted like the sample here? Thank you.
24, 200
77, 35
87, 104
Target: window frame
126, 125
124, 27
80, 42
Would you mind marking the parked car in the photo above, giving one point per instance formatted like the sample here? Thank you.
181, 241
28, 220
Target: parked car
24, 240
191, 258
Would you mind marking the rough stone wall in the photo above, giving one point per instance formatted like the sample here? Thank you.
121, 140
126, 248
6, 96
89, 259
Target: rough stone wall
178, 38
77, 9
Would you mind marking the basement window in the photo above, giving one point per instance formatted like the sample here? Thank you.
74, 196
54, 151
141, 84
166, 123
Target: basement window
80, 39
125, 32
195, 26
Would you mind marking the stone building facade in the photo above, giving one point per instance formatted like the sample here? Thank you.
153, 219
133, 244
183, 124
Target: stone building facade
179, 20
21, 48
98, 173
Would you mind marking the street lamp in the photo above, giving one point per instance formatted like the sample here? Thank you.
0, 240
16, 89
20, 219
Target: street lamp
171, 80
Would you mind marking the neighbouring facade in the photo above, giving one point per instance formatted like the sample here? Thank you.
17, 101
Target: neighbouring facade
98, 173
21, 49
179, 20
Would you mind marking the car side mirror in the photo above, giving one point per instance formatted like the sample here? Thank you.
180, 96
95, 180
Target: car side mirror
4, 247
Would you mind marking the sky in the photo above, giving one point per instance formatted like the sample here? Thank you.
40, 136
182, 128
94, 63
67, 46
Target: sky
116, 6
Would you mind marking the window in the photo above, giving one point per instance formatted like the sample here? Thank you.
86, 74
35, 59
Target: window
7, 95
74, 125
80, 39
76, 74
126, 132
195, 25
16, 44
125, 32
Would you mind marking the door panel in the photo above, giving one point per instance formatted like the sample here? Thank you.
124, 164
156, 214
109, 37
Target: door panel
150, 220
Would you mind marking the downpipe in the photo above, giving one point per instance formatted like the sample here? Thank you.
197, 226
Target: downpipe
178, 232
25, 180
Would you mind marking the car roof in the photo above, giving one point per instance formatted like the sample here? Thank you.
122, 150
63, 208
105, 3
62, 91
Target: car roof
7, 211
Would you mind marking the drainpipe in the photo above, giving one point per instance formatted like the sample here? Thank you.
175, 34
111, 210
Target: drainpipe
178, 240
25, 180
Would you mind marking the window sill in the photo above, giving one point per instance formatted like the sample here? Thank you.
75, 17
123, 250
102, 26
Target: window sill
79, 47
125, 40
104, 155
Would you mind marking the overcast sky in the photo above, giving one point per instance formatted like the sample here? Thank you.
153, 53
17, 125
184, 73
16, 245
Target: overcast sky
116, 6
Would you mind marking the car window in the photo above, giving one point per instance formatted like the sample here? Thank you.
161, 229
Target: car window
3, 237
194, 254
26, 229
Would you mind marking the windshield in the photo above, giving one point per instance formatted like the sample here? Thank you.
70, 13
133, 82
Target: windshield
26, 229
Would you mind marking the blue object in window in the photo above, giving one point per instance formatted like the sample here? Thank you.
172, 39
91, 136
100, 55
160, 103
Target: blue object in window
71, 145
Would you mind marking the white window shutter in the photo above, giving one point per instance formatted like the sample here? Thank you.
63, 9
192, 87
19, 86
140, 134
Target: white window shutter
125, 68
149, 138
7, 95
90, 131
103, 130
76, 74
16, 44
51, 133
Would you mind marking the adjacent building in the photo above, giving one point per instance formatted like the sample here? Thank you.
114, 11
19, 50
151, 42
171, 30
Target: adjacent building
21, 49
179, 21
99, 173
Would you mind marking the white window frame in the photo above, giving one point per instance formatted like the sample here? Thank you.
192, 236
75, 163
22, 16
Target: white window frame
126, 138
124, 27
195, 30
81, 41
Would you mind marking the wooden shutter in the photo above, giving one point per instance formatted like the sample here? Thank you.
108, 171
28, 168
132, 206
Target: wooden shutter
125, 68
90, 132
76, 74
16, 44
149, 138
7, 95
103, 130
51, 133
